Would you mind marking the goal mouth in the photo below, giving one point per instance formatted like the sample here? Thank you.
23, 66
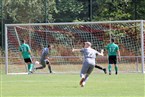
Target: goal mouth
129, 35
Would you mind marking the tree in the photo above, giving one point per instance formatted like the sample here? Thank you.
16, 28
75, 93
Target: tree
25, 11
112, 10
68, 11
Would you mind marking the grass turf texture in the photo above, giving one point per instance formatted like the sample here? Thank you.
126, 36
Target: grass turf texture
67, 85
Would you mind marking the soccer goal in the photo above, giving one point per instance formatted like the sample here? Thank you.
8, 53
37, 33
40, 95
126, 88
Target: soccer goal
129, 35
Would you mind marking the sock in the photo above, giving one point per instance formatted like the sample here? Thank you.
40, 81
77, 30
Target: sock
82, 75
109, 67
99, 67
31, 67
84, 82
49, 67
116, 68
86, 78
28, 67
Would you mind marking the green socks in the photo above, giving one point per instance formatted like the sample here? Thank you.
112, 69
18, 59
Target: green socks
116, 68
30, 67
109, 67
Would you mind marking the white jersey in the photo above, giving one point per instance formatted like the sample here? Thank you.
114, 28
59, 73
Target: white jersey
89, 55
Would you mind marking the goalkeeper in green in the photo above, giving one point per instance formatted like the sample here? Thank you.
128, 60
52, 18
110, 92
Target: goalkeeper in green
26, 53
113, 52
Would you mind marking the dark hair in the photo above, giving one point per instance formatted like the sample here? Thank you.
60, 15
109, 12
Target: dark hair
49, 45
112, 40
22, 41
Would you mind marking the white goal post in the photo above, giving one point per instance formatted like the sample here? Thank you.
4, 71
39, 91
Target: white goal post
128, 34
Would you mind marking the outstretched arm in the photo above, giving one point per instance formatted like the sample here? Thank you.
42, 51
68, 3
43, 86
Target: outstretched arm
76, 50
102, 53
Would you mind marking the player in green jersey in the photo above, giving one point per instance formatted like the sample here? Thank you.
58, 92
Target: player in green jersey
113, 52
26, 53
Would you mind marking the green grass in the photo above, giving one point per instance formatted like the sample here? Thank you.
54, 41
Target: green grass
67, 85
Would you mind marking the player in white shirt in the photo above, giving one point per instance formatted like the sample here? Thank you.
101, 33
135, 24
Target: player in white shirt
88, 62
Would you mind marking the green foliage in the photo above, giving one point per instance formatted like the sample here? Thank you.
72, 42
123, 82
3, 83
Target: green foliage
68, 11
24, 11
113, 10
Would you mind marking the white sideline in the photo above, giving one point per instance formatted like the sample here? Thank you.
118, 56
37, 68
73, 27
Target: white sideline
22, 73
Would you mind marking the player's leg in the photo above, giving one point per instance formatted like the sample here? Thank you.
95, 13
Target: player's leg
89, 71
49, 65
109, 68
30, 65
42, 62
83, 73
109, 65
116, 69
101, 68
115, 64
85, 80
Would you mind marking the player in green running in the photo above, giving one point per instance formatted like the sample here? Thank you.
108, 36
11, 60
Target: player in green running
26, 53
113, 52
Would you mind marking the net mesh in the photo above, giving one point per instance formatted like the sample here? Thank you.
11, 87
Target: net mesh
65, 36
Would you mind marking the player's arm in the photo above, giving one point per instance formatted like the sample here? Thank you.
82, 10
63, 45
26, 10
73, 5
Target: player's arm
102, 53
119, 57
47, 57
20, 51
29, 50
118, 53
76, 50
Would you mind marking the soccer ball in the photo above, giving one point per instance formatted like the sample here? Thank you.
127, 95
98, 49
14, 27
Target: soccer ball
36, 62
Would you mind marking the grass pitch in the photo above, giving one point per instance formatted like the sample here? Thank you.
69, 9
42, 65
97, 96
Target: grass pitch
67, 85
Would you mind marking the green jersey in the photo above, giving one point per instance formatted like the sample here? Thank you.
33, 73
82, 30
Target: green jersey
24, 49
112, 49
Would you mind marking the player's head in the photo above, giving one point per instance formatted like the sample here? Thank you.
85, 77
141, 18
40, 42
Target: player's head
50, 46
87, 44
23, 41
112, 40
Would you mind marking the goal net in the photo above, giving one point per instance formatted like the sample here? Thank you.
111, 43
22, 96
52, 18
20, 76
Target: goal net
129, 35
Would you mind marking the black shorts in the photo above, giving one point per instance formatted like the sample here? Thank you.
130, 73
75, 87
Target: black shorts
28, 60
112, 59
